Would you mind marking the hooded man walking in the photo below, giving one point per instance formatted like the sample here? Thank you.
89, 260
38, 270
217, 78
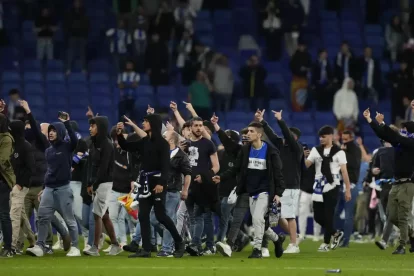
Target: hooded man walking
153, 178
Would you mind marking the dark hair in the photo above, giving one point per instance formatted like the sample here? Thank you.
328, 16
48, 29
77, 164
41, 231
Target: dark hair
325, 130
196, 119
114, 133
295, 131
256, 125
209, 125
244, 131
13, 91
187, 124
344, 42
323, 50
349, 132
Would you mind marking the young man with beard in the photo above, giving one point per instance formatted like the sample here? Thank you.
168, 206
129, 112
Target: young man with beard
203, 196
179, 166
329, 161
57, 195
100, 166
259, 171
153, 178
7, 181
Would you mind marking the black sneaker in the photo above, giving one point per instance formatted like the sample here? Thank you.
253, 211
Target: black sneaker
194, 251
412, 244
141, 254
48, 250
132, 247
209, 250
164, 254
179, 249
337, 238
6, 253
279, 246
256, 254
154, 249
399, 251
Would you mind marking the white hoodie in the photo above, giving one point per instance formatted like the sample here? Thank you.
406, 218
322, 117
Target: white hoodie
346, 103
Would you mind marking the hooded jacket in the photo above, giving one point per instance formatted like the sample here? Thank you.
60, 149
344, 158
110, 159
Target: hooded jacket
39, 143
59, 155
180, 165
154, 151
23, 157
346, 103
101, 154
6, 150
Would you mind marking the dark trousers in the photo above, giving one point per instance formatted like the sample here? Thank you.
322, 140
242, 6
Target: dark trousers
145, 205
5, 220
324, 213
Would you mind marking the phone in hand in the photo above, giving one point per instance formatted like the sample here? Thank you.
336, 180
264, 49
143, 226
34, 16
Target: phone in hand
63, 115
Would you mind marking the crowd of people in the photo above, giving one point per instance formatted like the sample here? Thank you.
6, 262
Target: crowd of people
180, 179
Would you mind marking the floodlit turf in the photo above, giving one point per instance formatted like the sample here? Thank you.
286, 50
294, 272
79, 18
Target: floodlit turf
360, 259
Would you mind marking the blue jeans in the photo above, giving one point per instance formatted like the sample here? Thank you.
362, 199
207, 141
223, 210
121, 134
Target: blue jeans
225, 218
196, 221
88, 222
172, 200
349, 208
137, 237
58, 199
208, 218
117, 214
5, 221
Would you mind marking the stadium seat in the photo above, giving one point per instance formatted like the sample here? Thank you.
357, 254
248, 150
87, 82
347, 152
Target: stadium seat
31, 89
99, 66
77, 78
57, 101
7, 86
53, 77
54, 66
32, 77
100, 89
308, 139
10, 76
79, 100
145, 91
238, 116
36, 101
99, 78
58, 89
32, 65
102, 101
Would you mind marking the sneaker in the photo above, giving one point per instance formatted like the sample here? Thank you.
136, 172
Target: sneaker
399, 251
316, 238
154, 249
381, 244
141, 254
35, 251
132, 247
179, 250
48, 250
115, 250
358, 238
93, 251
18, 251
58, 245
299, 239
265, 252
337, 237
87, 247
6, 253
241, 243
164, 254
292, 249
194, 251
73, 252
323, 248
279, 246
108, 249
102, 241
256, 254
66, 243
412, 250
209, 250
224, 249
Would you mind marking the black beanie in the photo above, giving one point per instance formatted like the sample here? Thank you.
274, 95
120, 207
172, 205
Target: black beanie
295, 131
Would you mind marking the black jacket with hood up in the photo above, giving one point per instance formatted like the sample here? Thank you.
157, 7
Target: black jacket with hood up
101, 154
23, 157
154, 151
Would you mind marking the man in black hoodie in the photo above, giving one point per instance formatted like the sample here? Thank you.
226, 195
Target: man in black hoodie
153, 179
24, 167
100, 166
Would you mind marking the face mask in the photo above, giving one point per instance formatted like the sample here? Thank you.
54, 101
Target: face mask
29, 135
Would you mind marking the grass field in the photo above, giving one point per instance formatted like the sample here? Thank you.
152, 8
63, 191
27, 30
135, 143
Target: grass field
359, 259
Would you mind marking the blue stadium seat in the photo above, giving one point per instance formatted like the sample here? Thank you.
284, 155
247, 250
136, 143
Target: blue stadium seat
204, 15
373, 30
99, 78
32, 65
143, 101
77, 113
328, 15
372, 142
55, 77
101, 101
164, 102
278, 104
302, 117
203, 27
79, 100
57, 101
34, 89
324, 118
40, 115
145, 91
239, 116
306, 128
28, 26
144, 79
273, 67
350, 27
77, 78
308, 139
7, 86
375, 41
78, 89
99, 66
274, 78
222, 16
236, 126
166, 92
10, 76
207, 40
33, 77
54, 66
240, 104
36, 101
101, 89
83, 126
56, 89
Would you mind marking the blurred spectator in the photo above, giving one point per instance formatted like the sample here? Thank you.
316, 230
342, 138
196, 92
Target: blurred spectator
402, 84
120, 39
369, 75
139, 19
200, 95
204, 55
156, 61
345, 106
196, 4
140, 36
293, 18
184, 49
273, 32
372, 11
128, 80
124, 8
15, 111
409, 109
408, 53
322, 78
394, 36
300, 66
77, 25
223, 84
151, 6
345, 63
306, 7
163, 22
45, 26
3, 39
253, 76
184, 15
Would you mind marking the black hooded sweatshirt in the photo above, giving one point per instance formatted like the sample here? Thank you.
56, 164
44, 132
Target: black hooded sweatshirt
101, 154
23, 161
154, 151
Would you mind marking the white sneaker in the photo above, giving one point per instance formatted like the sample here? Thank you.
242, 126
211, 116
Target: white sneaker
108, 249
115, 250
265, 252
224, 249
292, 249
101, 241
73, 252
58, 245
35, 251
323, 248
87, 247
299, 239
316, 238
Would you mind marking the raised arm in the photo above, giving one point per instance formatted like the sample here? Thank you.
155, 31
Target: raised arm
131, 146
273, 137
177, 114
41, 140
229, 145
287, 134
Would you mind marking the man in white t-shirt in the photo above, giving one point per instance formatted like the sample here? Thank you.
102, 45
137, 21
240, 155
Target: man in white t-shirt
329, 161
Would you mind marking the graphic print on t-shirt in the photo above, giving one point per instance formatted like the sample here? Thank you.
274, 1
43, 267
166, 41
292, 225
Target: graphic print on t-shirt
199, 154
257, 158
193, 155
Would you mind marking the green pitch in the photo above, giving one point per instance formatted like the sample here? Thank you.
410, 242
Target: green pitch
359, 260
